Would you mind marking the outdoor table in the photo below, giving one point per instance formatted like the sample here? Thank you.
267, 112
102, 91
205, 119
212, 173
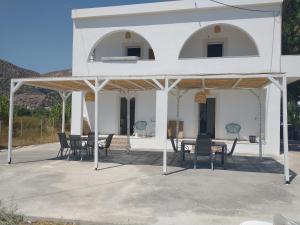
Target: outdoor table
223, 145
85, 138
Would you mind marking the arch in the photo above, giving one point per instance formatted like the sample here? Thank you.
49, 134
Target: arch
113, 44
233, 49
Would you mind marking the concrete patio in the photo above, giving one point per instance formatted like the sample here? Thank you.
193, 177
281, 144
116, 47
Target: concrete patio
129, 188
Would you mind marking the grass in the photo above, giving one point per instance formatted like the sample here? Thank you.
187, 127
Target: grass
30, 131
8, 216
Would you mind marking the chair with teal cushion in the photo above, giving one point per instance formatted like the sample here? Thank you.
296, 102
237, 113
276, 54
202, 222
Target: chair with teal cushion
140, 126
233, 128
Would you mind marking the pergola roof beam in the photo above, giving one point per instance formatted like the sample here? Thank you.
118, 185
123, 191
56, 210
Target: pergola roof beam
135, 84
174, 84
276, 83
203, 84
237, 83
150, 83
158, 84
116, 86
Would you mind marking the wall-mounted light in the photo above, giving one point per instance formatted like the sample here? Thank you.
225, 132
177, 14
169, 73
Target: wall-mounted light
217, 29
127, 35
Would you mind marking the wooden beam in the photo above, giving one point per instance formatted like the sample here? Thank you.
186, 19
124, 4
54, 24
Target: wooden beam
158, 84
137, 85
237, 83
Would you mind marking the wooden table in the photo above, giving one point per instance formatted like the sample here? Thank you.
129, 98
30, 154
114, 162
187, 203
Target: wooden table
223, 145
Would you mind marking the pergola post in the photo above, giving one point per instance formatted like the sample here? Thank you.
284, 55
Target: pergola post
260, 128
260, 122
14, 86
97, 90
128, 120
96, 126
283, 89
177, 116
165, 126
10, 124
285, 131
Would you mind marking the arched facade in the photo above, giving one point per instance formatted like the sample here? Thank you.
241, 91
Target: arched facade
122, 43
219, 40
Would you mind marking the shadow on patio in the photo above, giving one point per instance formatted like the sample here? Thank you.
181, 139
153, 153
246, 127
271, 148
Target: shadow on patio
152, 158
148, 157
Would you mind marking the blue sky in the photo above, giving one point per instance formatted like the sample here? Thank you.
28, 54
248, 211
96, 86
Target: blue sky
37, 34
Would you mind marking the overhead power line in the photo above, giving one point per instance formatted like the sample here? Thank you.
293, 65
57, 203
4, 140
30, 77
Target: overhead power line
241, 8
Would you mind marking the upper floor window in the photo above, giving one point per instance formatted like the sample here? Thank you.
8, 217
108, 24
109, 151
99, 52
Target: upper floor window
134, 51
215, 50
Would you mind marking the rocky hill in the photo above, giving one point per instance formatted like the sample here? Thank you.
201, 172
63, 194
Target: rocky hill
28, 96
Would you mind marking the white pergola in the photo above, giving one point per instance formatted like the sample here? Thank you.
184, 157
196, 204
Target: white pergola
66, 85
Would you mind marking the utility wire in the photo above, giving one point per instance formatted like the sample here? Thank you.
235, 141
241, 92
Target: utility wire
241, 8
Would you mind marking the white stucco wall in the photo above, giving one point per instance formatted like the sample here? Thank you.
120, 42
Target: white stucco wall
145, 107
168, 31
241, 107
77, 112
238, 106
109, 112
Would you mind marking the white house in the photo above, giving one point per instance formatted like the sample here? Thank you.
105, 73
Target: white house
179, 38
151, 53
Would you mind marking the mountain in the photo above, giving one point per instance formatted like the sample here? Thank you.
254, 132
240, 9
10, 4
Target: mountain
60, 73
9, 70
27, 96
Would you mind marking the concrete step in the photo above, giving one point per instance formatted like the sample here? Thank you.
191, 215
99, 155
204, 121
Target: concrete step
119, 143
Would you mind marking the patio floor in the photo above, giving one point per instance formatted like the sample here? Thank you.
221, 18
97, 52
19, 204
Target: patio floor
129, 188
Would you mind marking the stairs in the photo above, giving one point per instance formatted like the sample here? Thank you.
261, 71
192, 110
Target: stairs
119, 143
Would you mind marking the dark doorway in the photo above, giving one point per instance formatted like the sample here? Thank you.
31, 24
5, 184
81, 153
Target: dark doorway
207, 116
214, 50
123, 116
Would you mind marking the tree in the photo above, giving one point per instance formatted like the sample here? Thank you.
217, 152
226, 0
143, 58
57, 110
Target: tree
4, 110
291, 27
56, 112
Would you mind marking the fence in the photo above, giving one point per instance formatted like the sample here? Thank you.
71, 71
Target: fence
31, 131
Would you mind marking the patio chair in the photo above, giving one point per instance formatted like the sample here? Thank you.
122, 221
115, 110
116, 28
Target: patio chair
175, 149
63, 144
90, 144
233, 128
230, 153
77, 146
140, 126
106, 147
203, 148
232, 149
